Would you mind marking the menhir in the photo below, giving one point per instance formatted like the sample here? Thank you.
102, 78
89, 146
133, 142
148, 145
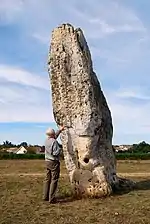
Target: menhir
80, 105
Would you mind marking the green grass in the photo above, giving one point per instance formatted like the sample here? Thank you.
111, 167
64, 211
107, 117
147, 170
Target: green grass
21, 198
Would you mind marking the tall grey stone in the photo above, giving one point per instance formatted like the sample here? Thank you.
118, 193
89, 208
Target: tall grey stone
80, 105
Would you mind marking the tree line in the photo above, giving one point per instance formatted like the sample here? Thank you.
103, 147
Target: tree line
142, 147
31, 149
7, 144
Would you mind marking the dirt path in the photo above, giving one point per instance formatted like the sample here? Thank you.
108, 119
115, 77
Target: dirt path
42, 174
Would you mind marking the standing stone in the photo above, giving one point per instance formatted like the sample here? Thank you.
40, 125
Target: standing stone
80, 105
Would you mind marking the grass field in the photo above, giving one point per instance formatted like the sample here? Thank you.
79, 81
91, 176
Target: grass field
21, 185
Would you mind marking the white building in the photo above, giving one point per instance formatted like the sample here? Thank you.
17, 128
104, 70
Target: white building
21, 150
122, 148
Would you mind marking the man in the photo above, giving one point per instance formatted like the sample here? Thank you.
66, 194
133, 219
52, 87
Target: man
52, 153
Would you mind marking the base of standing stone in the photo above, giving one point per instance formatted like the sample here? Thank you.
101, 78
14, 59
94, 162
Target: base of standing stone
85, 185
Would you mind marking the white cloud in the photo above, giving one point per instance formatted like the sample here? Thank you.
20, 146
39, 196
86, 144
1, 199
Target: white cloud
20, 76
24, 103
130, 117
44, 39
107, 29
25, 113
103, 22
105, 18
133, 92
115, 34
98, 19
24, 96
10, 10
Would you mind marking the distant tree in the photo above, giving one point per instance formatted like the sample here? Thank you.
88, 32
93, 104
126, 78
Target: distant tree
7, 144
24, 144
142, 147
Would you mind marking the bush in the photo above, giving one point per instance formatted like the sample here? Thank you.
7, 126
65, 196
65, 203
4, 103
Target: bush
21, 156
142, 147
119, 156
132, 156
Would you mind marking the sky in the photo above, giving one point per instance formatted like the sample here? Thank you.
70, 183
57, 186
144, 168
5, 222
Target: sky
118, 35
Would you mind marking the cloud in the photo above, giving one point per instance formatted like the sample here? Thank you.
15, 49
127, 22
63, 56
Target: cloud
111, 28
41, 37
29, 104
130, 118
20, 76
133, 92
130, 110
109, 17
10, 11
107, 29
24, 96
120, 45
24, 104
98, 19
115, 33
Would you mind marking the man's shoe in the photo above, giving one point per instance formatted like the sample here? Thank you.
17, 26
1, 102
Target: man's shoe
53, 201
45, 199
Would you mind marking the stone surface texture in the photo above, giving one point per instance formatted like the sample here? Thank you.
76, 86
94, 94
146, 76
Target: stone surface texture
80, 105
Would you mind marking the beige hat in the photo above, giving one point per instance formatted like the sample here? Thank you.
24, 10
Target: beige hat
50, 132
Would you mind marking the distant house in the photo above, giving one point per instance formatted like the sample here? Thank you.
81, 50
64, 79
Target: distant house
21, 150
11, 150
15, 150
122, 148
40, 150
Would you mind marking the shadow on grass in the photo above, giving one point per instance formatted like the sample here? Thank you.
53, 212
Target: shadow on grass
143, 185
138, 185
66, 200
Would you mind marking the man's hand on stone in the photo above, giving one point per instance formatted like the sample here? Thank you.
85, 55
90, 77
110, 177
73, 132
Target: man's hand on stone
61, 128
